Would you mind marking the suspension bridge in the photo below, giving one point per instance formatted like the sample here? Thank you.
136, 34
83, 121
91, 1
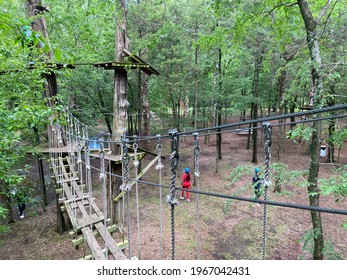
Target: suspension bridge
70, 155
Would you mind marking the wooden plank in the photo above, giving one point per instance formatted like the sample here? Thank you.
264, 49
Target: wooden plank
121, 245
67, 191
72, 169
71, 216
93, 244
118, 197
111, 244
96, 208
80, 240
99, 219
68, 180
64, 200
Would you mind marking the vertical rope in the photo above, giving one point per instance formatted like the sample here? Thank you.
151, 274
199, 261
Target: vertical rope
267, 154
88, 186
125, 187
109, 153
197, 187
159, 167
136, 164
103, 178
79, 153
171, 198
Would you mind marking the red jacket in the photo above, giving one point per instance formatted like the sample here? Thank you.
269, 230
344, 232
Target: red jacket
185, 180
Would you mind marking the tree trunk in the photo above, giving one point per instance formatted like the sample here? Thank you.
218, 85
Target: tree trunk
196, 89
120, 103
291, 110
106, 116
313, 189
219, 106
146, 110
257, 65
281, 82
140, 104
332, 127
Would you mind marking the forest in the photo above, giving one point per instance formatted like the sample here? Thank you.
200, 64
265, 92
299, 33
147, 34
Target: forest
150, 67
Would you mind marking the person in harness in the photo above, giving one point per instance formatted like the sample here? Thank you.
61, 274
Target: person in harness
185, 184
257, 182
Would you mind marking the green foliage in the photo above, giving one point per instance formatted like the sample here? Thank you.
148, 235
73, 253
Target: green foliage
3, 213
22, 106
241, 171
300, 131
336, 184
307, 241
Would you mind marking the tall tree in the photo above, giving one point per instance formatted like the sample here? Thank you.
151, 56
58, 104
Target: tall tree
311, 26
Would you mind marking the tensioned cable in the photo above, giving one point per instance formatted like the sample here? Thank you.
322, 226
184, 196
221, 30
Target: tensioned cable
268, 202
273, 125
186, 134
271, 118
260, 120
265, 119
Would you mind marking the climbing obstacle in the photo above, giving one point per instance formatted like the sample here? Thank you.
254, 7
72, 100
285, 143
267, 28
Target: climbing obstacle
82, 211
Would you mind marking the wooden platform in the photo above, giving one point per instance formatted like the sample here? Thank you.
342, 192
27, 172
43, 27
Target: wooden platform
83, 213
45, 149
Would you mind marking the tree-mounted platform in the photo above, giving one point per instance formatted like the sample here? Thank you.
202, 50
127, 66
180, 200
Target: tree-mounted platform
131, 62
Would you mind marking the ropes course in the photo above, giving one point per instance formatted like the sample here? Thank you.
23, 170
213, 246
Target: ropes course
73, 175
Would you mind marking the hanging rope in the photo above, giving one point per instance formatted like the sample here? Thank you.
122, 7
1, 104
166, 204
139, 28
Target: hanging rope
125, 187
159, 167
88, 185
109, 153
103, 178
267, 154
197, 187
171, 198
136, 164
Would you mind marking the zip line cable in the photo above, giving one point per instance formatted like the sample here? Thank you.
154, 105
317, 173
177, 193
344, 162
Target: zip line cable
268, 202
237, 124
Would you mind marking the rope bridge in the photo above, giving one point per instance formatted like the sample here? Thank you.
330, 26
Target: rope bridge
84, 214
71, 152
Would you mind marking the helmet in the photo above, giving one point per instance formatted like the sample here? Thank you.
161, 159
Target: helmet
186, 170
257, 170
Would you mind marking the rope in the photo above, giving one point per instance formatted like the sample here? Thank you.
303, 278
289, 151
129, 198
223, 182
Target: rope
197, 187
171, 198
103, 177
267, 183
88, 185
136, 164
159, 167
125, 187
260, 120
109, 153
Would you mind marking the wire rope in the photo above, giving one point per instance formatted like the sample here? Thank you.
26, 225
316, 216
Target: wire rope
267, 183
197, 187
136, 164
159, 167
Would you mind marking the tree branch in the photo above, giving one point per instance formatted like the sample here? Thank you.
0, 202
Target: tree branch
328, 17
281, 5
324, 10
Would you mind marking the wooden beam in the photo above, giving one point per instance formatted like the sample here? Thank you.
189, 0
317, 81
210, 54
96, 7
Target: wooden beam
93, 244
121, 245
118, 197
80, 240
111, 244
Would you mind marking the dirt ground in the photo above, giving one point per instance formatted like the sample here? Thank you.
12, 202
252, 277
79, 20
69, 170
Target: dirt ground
228, 229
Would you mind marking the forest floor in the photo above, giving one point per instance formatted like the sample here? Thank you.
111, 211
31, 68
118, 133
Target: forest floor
227, 229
